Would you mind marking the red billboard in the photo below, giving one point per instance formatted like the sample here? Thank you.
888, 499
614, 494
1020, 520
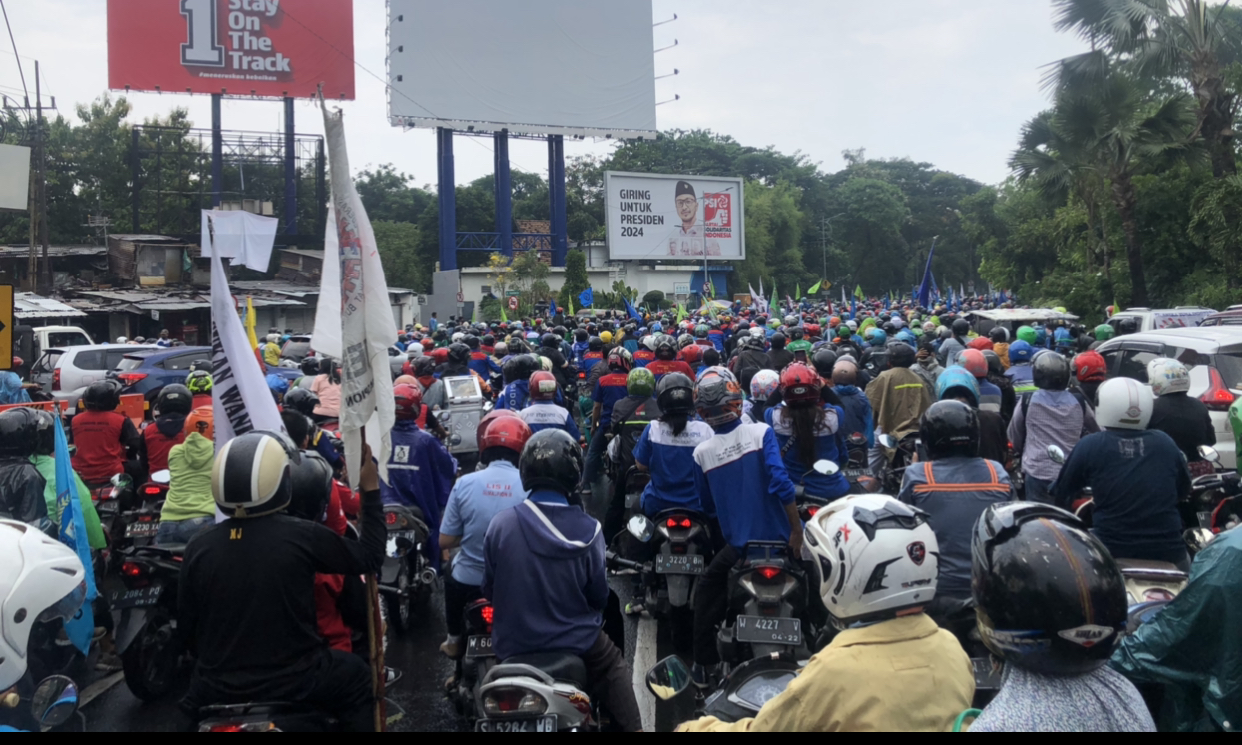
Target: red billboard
239, 47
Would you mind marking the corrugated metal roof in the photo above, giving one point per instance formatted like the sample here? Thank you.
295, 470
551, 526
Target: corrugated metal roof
30, 305
22, 252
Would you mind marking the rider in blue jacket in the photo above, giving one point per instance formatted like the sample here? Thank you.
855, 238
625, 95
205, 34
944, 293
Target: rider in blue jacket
806, 436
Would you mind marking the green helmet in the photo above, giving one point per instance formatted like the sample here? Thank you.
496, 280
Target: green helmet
198, 382
1027, 334
640, 382
775, 323
1104, 332
1235, 419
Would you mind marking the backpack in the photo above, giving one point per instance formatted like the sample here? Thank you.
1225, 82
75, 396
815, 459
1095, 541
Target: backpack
1082, 404
749, 362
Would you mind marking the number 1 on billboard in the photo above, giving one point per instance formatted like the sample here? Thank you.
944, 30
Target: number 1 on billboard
203, 46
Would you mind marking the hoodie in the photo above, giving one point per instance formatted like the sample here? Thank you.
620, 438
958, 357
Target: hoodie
11, 391
189, 491
543, 570
515, 396
858, 416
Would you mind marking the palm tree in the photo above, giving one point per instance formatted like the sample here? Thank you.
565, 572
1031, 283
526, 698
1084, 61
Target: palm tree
1161, 39
1107, 131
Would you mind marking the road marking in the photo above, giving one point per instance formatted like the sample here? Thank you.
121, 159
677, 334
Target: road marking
99, 687
644, 659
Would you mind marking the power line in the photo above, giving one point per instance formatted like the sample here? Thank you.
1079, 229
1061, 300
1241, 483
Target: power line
15, 54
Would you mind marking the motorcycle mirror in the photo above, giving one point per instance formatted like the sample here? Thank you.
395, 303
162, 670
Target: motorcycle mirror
669, 678
1056, 454
162, 477
641, 528
826, 467
54, 701
121, 479
455, 439
1209, 453
886, 441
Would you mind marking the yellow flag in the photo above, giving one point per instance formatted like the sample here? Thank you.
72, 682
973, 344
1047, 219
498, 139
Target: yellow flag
250, 321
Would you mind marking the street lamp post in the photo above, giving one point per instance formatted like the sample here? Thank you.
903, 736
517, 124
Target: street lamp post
825, 230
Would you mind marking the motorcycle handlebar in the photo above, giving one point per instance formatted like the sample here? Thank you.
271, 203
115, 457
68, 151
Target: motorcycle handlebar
616, 561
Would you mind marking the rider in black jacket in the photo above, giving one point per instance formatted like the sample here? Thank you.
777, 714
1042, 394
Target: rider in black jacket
246, 601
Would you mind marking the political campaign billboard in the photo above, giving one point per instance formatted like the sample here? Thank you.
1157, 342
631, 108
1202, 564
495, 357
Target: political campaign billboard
656, 216
268, 48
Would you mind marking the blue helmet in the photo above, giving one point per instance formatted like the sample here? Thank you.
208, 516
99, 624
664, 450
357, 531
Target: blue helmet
876, 337
1062, 338
908, 337
277, 384
657, 327
1041, 336
1020, 352
957, 377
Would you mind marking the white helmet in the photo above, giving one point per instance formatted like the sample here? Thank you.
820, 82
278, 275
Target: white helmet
273, 338
648, 341
1124, 404
40, 579
251, 476
853, 325
458, 337
757, 332
929, 328
122, 340
874, 557
1167, 376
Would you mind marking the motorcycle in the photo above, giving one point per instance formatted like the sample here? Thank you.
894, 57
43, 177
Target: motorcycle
265, 717
905, 451
406, 577
142, 524
809, 504
740, 695
144, 612
856, 469
477, 662
543, 692
767, 592
52, 703
1211, 508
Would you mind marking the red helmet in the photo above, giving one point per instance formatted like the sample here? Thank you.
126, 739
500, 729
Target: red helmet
492, 416
440, 355
974, 362
408, 368
980, 342
409, 401
428, 343
812, 329
1090, 367
543, 386
800, 384
504, 432
692, 354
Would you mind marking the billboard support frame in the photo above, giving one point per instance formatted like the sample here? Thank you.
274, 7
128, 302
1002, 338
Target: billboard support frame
217, 153
504, 191
291, 181
447, 192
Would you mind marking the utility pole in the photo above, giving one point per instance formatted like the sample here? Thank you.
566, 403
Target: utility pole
45, 285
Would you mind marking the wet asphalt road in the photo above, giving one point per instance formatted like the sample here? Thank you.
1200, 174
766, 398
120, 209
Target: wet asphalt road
417, 702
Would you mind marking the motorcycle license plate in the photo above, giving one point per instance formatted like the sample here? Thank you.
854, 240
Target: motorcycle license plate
141, 598
764, 630
1205, 520
479, 646
853, 474
679, 564
987, 677
537, 724
142, 530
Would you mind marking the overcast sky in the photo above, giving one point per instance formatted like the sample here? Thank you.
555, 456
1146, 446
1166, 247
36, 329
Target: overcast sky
948, 82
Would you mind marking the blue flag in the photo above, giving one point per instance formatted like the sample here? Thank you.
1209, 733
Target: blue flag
587, 297
629, 308
81, 627
925, 289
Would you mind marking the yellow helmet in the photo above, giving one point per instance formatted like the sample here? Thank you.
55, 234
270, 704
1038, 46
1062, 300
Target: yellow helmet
606, 337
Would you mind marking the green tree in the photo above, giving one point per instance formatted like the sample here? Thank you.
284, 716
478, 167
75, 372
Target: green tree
576, 279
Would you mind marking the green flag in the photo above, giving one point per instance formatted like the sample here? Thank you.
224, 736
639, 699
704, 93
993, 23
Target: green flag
503, 317
775, 295
858, 293
681, 312
570, 300
814, 288
798, 291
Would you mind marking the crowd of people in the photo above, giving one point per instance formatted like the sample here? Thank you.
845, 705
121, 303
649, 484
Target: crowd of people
985, 438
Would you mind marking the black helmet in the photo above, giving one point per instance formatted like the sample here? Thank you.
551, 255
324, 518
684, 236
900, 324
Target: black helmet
795, 333
961, 327
424, 366
665, 347
595, 344
174, 399
1051, 372
45, 432
458, 354
950, 429
1049, 597
998, 335
995, 366
824, 360
551, 460
18, 432
310, 366
675, 394
302, 400
778, 340
312, 487
488, 340
204, 365
1127, 325
102, 395
551, 341
521, 367
471, 341
900, 354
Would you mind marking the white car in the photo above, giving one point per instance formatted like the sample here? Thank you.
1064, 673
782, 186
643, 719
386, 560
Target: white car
1181, 317
1213, 354
66, 372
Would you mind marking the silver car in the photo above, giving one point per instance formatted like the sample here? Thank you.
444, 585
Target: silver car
66, 372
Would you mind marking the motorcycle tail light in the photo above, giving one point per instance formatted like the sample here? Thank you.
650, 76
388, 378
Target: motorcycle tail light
488, 613
241, 727
678, 521
812, 510
145, 518
130, 569
769, 573
509, 700
390, 518
152, 491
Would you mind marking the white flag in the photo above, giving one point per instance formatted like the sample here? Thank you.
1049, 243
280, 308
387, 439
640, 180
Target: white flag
240, 399
363, 317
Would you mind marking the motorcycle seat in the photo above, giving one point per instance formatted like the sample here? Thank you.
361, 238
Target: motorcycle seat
567, 668
1153, 570
256, 709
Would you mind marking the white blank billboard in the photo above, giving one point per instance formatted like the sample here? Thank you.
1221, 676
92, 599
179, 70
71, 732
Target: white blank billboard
14, 178
656, 216
576, 67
